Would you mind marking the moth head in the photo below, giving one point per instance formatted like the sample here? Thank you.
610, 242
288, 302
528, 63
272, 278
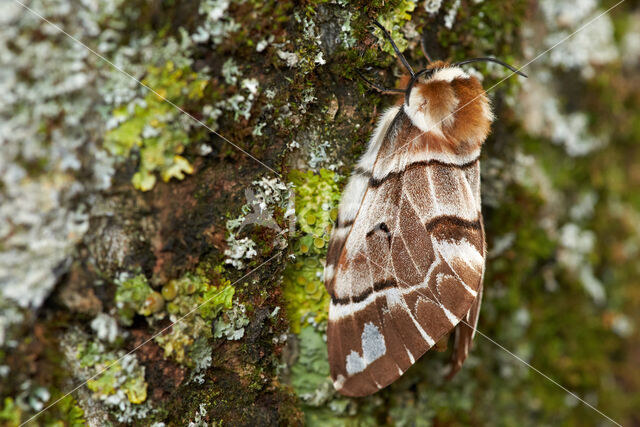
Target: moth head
445, 100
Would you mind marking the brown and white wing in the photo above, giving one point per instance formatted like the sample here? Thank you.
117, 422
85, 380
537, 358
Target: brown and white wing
405, 261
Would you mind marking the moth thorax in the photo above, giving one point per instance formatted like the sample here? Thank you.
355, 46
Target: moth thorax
452, 105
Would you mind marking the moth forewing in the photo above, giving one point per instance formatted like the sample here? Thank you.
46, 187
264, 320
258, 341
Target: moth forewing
406, 258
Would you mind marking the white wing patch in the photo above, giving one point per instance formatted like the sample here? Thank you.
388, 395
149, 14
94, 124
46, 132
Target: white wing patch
373, 348
368, 159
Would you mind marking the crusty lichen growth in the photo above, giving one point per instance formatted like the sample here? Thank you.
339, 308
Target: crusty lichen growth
157, 130
316, 202
115, 378
135, 296
281, 83
183, 295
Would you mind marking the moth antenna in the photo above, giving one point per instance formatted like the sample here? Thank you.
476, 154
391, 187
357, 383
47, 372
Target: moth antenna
423, 44
395, 48
379, 88
489, 59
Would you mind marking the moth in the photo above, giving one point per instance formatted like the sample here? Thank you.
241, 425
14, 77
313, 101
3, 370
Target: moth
407, 254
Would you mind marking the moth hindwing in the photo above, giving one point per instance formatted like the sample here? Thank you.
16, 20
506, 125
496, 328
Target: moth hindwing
406, 258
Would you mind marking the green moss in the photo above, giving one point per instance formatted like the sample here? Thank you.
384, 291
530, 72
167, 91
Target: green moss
155, 128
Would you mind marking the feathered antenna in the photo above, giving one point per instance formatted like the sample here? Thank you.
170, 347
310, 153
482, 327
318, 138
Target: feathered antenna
415, 76
400, 55
489, 59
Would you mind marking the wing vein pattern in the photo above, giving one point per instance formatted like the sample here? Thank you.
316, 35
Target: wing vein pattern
406, 258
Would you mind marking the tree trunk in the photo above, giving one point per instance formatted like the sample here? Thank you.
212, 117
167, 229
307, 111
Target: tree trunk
167, 198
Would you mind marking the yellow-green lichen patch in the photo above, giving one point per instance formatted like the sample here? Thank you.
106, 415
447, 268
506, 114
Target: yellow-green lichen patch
183, 296
66, 412
135, 296
10, 414
304, 291
117, 379
72, 414
154, 127
316, 200
393, 20
317, 197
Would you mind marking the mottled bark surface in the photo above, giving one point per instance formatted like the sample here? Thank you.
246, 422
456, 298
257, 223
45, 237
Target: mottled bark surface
120, 215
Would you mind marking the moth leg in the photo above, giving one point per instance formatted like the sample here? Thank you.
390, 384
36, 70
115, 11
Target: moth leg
423, 45
377, 87
443, 343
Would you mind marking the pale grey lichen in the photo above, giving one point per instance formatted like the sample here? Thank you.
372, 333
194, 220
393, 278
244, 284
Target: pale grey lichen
262, 198
105, 327
290, 58
432, 6
31, 396
202, 355
566, 14
630, 46
450, 17
240, 103
542, 115
622, 326
318, 155
10, 315
579, 36
583, 209
262, 44
232, 323
576, 244
594, 45
121, 387
230, 71
346, 31
39, 221
51, 127
198, 419
239, 251
217, 24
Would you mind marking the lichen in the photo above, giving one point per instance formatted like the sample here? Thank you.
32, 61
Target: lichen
119, 381
183, 342
310, 374
562, 241
264, 198
135, 296
156, 129
10, 413
316, 199
393, 20
105, 327
232, 323
217, 23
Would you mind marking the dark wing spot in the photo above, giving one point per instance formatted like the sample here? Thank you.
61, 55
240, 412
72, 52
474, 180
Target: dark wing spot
382, 227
